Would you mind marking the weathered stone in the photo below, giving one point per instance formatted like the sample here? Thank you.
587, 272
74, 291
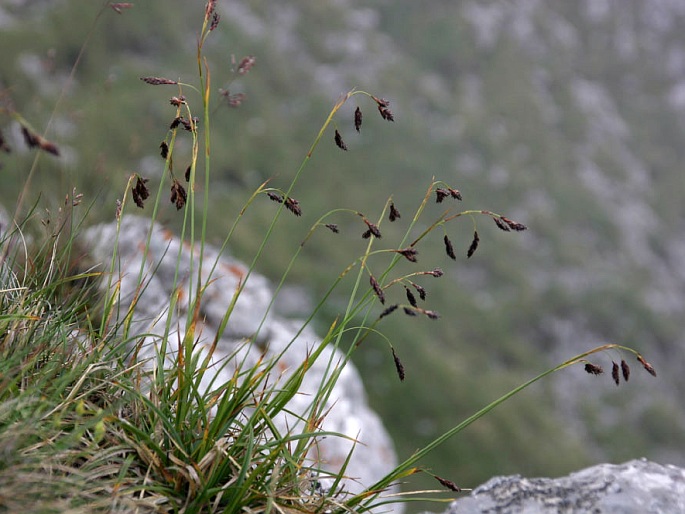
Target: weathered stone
155, 262
635, 487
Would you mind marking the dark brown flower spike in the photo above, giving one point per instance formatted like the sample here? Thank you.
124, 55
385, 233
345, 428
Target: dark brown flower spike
398, 365
474, 244
164, 149
388, 311
118, 7
140, 192
381, 102
50, 147
394, 213
383, 109
593, 369
500, 224
332, 227
455, 193
437, 273
209, 8
513, 225
357, 119
449, 248
275, 196
215, 21
648, 367
158, 81
377, 289
408, 253
187, 174
246, 64
177, 101
339, 141
614, 373
408, 311
293, 206
419, 289
372, 228
178, 195
431, 314
448, 484
366, 234
190, 125
625, 369
410, 297
33, 140
175, 123
441, 194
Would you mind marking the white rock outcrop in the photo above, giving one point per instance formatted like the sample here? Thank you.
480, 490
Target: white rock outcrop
253, 332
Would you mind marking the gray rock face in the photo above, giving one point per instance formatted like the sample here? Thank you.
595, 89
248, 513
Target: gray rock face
635, 487
253, 320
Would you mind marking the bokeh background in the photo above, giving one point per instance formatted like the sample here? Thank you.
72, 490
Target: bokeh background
568, 117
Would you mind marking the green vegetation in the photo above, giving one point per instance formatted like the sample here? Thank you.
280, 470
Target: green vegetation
493, 332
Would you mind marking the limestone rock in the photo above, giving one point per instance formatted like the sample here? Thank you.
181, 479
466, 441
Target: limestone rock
253, 320
635, 487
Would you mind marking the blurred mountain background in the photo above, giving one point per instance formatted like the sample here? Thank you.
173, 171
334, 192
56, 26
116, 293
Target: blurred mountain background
568, 117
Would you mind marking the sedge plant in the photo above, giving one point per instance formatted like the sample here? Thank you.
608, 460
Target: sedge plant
165, 435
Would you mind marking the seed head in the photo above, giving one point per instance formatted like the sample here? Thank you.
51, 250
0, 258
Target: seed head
449, 248
377, 289
275, 197
648, 367
625, 369
448, 484
410, 297
474, 244
421, 290
386, 113
177, 101
408, 253
593, 369
215, 21
372, 228
33, 140
293, 206
437, 273
140, 192
332, 227
158, 81
408, 311
398, 365
614, 372
339, 141
441, 194
431, 314
388, 311
394, 213
455, 193
501, 224
513, 225
357, 119
164, 149
187, 174
178, 194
